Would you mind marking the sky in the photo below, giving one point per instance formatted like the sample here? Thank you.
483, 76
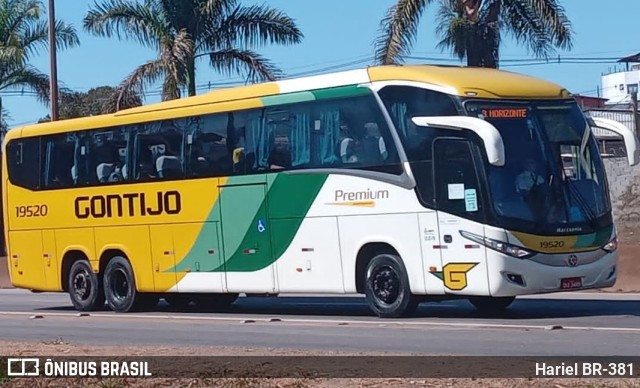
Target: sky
339, 35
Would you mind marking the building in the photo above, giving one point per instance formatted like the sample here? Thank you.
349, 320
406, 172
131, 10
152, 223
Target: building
618, 86
590, 102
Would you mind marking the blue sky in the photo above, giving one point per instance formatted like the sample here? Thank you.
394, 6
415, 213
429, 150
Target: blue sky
340, 32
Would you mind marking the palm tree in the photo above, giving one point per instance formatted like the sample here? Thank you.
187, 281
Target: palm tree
473, 29
23, 33
183, 31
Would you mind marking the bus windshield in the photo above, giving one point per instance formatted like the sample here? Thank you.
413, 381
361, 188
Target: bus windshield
553, 173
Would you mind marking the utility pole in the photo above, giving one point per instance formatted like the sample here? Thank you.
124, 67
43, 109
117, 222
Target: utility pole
53, 78
634, 106
1, 126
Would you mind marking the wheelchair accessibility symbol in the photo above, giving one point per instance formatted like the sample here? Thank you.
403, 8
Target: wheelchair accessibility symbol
261, 226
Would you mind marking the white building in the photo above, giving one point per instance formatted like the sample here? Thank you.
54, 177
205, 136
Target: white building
617, 87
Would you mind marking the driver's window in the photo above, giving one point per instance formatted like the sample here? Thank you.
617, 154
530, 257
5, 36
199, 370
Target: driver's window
456, 179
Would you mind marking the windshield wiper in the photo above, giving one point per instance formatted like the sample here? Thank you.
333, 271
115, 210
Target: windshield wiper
582, 203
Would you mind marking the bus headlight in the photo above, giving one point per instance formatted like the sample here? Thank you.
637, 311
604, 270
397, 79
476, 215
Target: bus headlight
500, 246
611, 245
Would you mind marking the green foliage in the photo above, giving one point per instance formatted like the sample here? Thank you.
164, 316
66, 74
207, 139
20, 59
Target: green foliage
96, 101
473, 29
182, 31
24, 33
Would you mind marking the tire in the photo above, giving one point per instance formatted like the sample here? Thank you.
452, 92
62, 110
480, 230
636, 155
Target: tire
215, 302
120, 286
387, 287
491, 304
85, 288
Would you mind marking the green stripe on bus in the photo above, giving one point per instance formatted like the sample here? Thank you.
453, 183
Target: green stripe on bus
289, 98
298, 193
340, 92
290, 198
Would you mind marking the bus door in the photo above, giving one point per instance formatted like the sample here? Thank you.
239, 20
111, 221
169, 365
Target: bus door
246, 235
459, 209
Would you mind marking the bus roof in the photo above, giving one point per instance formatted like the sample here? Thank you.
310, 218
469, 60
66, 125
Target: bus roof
455, 80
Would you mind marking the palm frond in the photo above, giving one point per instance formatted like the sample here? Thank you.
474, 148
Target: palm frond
246, 63
453, 28
141, 22
27, 77
399, 29
215, 9
135, 83
251, 27
555, 20
36, 37
526, 27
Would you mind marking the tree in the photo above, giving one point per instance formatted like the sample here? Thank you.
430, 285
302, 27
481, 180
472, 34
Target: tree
183, 31
473, 29
4, 127
96, 101
23, 33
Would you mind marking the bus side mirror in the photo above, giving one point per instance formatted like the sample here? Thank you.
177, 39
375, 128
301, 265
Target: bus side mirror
493, 143
630, 139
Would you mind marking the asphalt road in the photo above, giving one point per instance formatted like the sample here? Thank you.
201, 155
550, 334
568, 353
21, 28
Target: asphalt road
583, 324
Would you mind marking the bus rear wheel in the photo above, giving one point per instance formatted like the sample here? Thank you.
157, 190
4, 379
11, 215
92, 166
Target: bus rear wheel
387, 287
120, 288
491, 304
85, 289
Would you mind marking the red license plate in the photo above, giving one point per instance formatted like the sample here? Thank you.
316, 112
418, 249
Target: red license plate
568, 283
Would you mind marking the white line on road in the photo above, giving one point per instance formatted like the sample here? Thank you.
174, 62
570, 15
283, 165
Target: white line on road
378, 323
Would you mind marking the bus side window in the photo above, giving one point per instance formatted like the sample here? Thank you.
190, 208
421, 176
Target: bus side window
209, 152
23, 162
58, 161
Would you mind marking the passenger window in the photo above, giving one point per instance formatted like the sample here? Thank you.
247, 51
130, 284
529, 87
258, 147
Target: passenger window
250, 142
281, 125
58, 160
159, 150
354, 134
209, 150
107, 155
23, 162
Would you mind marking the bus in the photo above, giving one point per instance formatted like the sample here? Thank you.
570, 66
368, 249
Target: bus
403, 183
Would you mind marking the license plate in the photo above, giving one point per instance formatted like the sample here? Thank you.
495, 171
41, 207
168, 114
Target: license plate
568, 283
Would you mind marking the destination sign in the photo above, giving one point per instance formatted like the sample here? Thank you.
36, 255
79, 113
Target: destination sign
505, 113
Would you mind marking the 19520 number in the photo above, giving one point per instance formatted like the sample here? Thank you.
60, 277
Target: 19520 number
32, 211
552, 244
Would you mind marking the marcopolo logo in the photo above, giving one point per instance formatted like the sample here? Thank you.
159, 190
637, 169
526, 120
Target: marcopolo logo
128, 205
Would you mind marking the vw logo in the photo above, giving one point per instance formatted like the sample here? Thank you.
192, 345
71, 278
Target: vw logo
572, 260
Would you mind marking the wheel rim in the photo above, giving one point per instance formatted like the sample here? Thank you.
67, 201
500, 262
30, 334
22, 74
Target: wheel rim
386, 284
82, 285
119, 284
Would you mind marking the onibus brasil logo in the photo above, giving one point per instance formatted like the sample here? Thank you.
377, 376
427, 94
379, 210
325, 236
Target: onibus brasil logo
454, 275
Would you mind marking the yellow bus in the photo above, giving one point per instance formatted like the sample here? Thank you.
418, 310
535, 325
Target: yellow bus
403, 183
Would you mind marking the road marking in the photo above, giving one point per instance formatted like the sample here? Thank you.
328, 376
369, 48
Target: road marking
377, 323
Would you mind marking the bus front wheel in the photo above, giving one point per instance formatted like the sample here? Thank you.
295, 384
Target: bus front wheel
491, 304
85, 289
120, 287
387, 287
